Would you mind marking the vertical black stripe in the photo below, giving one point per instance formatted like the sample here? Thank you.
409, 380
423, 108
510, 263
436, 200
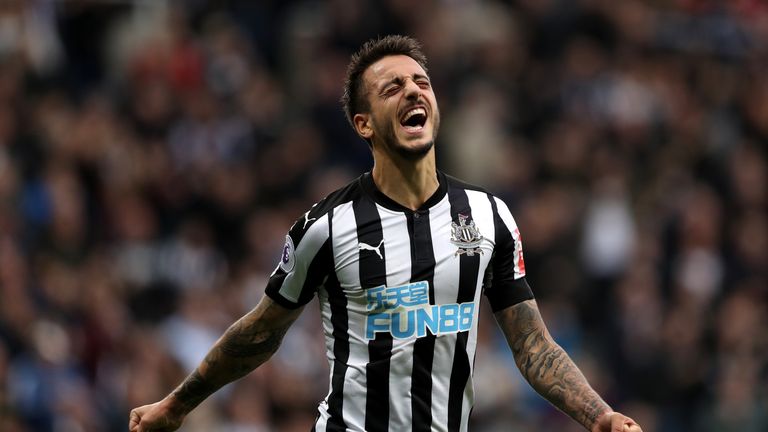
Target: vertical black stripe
422, 269
340, 323
318, 270
373, 273
469, 267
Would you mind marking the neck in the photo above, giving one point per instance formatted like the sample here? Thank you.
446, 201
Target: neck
408, 183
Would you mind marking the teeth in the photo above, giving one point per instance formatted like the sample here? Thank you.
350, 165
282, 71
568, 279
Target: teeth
413, 112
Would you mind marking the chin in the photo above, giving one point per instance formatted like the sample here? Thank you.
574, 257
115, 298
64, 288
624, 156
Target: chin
415, 151
408, 146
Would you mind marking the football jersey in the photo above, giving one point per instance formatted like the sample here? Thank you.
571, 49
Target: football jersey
399, 293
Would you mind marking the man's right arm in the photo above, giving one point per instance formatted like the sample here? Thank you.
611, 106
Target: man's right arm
248, 343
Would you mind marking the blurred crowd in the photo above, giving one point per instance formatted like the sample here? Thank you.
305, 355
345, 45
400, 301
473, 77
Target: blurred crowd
154, 153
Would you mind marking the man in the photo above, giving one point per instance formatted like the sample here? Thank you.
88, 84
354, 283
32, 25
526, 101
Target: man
398, 259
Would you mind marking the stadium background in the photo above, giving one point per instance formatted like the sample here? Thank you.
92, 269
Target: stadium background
153, 154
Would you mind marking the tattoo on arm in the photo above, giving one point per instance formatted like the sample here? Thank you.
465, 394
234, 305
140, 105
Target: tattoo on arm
193, 391
243, 341
547, 367
248, 343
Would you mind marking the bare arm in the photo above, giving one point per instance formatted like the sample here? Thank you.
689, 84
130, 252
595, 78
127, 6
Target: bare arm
547, 367
248, 343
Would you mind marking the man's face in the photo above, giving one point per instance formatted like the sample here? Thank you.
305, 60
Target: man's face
403, 116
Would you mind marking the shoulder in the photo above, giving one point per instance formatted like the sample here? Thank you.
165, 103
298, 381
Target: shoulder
456, 184
347, 193
313, 226
498, 205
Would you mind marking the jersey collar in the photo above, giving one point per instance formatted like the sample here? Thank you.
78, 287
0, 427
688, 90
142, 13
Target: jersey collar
369, 186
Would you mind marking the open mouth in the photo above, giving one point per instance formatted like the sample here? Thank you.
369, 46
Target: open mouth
414, 119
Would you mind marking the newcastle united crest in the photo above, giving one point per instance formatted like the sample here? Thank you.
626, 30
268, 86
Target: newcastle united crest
466, 236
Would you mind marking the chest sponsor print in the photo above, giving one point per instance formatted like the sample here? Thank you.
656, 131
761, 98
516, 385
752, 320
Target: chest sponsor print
404, 312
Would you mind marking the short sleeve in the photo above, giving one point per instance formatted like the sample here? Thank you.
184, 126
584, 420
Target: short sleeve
505, 283
304, 263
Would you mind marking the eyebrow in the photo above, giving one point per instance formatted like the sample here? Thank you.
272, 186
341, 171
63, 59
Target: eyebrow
399, 80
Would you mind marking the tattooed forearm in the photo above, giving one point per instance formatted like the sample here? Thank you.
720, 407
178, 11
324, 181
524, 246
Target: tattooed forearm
546, 365
243, 341
193, 391
244, 346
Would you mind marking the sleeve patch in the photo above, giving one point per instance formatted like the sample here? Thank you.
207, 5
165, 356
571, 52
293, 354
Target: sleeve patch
288, 258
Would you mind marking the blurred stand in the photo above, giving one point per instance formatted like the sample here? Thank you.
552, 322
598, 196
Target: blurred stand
154, 153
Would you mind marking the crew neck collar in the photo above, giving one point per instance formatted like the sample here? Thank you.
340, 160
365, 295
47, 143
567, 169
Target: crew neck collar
383, 200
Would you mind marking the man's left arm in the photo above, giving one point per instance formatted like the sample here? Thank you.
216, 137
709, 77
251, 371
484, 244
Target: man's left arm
552, 373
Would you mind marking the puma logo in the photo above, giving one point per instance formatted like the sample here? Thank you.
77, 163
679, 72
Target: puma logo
377, 249
307, 220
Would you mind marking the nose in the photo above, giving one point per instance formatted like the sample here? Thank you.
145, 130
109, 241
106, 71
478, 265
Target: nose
411, 89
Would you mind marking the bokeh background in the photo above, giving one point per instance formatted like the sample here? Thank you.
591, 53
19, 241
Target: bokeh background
153, 154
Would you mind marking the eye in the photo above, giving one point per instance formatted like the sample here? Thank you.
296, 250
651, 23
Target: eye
423, 83
390, 90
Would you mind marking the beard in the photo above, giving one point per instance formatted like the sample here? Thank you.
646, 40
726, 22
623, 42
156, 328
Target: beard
406, 152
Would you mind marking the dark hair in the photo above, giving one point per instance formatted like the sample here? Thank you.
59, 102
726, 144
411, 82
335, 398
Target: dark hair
354, 100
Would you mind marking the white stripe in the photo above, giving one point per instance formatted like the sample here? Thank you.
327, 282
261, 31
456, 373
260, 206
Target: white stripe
325, 312
511, 225
397, 248
305, 252
344, 244
466, 406
442, 364
446, 286
446, 279
482, 214
346, 253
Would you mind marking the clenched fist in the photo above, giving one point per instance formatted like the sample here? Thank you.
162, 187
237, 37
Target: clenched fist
157, 417
615, 422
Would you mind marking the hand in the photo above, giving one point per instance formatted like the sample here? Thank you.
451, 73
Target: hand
157, 417
615, 422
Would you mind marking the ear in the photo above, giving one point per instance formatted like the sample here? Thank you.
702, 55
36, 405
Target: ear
363, 125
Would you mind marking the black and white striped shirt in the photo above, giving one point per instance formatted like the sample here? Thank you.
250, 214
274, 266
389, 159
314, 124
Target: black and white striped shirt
399, 294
